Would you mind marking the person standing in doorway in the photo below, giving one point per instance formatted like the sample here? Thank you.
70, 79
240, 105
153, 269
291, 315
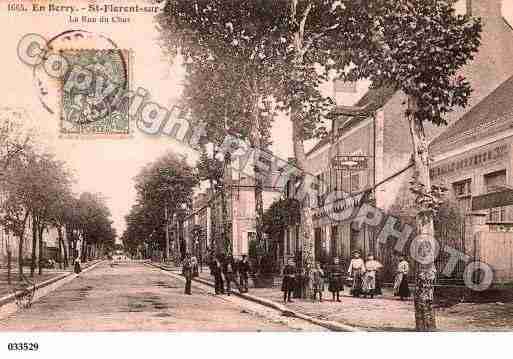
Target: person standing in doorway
401, 287
356, 270
187, 273
335, 279
287, 286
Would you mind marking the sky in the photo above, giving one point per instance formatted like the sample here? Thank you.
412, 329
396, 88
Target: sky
108, 166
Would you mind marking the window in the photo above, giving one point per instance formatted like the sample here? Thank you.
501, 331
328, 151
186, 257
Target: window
323, 181
463, 188
355, 182
495, 181
497, 214
345, 183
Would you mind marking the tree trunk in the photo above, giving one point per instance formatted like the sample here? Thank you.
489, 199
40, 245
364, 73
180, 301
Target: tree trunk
41, 259
306, 232
62, 249
59, 256
21, 236
167, 216
226, 243
34, 245
84, 250
213, 243
227, 240
306, 220
257, 145
426, 271
9, 264
20, 258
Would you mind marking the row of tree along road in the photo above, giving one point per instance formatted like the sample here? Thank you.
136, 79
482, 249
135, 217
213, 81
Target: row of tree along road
36, 189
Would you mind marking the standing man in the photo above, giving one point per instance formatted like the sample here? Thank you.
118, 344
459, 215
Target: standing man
187, 273
335, 279
229, 273
243, 268
288, 284
216, 270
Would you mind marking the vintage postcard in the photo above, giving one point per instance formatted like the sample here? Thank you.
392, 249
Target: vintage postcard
256, 166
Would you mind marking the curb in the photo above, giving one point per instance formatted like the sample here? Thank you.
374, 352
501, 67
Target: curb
11, 297
333, 326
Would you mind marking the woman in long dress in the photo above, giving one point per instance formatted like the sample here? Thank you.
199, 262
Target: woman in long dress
401, 288
77, 265
372, 267
356, 270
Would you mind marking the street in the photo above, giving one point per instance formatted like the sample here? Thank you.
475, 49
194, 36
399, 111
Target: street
131, 297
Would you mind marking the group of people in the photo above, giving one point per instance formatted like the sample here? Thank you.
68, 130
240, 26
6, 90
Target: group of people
363, 276
226, 271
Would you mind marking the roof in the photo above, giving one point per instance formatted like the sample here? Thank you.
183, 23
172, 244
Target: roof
375, 98
486, 117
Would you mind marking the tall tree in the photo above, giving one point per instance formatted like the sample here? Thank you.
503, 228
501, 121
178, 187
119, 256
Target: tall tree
291, 47
418, 47
165, 184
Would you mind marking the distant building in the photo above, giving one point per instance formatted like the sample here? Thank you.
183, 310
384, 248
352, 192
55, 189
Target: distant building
203, 226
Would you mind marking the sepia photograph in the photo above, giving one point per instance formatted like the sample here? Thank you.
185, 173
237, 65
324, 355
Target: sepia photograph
323, 170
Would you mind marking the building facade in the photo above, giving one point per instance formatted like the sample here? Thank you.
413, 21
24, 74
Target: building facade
474, 160
382, 139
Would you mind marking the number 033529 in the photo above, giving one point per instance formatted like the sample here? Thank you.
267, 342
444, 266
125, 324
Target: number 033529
23, 346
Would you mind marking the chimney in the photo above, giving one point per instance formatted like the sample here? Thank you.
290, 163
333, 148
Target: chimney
493, 64
487, 9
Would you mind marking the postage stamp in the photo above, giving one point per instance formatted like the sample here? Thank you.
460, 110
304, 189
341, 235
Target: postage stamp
93, 93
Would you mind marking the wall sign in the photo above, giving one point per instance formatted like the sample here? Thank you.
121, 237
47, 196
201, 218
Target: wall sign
470, 161
350, 162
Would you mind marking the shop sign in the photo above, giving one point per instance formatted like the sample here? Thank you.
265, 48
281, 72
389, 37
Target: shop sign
340, 205
470, 161
350, 162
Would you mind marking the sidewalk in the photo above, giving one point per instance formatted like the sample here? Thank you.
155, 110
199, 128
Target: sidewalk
388, 313
48, 274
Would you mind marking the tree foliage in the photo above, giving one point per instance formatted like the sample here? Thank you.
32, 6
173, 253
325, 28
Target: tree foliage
280, 215
416, 46
166, 182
